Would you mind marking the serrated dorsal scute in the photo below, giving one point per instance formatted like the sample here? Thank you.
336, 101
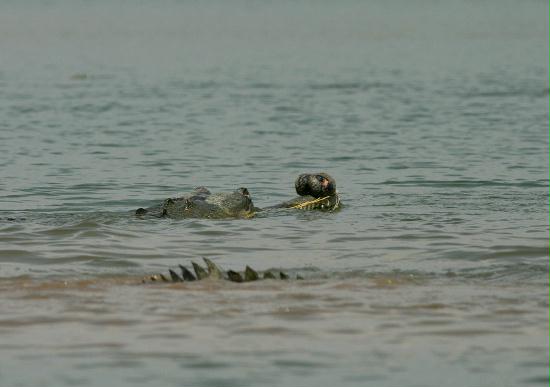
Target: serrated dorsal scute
213, 270
199, 271
186, 274
234, 276
175, 277
250, 274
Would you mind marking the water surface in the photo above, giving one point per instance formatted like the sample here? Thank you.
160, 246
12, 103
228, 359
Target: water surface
432, 117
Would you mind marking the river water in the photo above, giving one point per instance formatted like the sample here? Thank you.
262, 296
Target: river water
432, 117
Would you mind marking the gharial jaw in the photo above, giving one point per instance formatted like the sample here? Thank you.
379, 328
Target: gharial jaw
213, 271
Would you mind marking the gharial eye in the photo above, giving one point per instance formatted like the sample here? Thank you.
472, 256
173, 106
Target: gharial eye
320, 178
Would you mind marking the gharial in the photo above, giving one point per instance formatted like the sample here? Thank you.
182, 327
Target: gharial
317, 191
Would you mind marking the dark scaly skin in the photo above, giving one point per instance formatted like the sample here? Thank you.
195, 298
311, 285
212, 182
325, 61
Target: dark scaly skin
201, 203
214, 272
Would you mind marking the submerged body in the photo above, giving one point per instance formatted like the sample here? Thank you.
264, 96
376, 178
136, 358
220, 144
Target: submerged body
201, 203
317, 192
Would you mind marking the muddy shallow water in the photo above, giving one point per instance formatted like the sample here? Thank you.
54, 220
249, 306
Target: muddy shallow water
432, 117
379, 329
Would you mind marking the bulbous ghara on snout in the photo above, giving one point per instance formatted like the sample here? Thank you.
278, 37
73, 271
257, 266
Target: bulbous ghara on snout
317, 185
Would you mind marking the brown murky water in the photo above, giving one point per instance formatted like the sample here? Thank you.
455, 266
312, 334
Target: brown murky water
381, 330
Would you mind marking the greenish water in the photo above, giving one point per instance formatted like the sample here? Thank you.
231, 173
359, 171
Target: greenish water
432, 117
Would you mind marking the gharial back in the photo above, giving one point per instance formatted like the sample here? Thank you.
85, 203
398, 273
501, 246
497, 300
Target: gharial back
201, 203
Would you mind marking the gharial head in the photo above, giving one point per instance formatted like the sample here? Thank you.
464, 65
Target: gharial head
317, 185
